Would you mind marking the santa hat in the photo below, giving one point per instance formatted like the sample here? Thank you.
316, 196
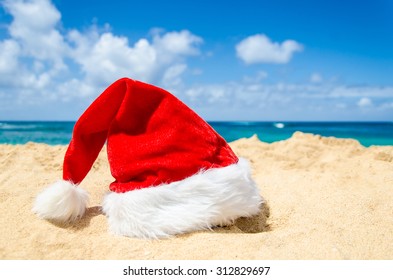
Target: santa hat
173, 173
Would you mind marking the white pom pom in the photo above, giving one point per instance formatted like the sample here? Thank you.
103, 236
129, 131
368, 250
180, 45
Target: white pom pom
62, 201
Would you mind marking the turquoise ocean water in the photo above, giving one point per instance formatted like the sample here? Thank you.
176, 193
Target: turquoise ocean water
367, 133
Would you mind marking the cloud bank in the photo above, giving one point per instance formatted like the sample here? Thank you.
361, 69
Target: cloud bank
38, 56
50, 72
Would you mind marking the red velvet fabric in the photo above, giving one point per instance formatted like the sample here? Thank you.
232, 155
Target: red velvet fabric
152, 138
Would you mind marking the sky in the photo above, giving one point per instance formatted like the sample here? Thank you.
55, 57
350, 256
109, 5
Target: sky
237, 60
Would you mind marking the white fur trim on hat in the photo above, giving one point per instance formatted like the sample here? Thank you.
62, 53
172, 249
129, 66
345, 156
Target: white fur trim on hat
62, 201
213, 197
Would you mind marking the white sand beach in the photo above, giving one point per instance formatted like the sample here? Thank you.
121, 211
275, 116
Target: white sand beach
326, 198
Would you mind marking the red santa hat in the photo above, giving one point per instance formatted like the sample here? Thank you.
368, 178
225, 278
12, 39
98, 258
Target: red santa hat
173, 173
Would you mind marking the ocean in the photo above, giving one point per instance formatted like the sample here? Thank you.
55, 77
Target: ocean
367, 133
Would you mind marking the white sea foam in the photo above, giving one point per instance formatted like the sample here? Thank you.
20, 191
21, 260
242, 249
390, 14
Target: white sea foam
279, 125
6, 126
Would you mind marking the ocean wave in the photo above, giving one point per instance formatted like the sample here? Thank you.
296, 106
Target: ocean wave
7, 126
279, 125
16, 126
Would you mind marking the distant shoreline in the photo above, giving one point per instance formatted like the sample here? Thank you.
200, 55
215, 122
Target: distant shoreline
367, 133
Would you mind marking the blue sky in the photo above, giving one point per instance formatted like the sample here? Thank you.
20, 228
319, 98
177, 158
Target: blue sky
228, 60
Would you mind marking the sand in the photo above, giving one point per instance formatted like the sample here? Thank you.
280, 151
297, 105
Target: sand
326, 198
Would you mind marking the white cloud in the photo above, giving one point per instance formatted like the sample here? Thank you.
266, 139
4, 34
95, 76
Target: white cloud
34, 28
343, 91
79, 87
177, 43
282, 101
105, 57
40, 60
31, 16
364, 102
172, 75
108, 57
316, 78
260, 49
9, 53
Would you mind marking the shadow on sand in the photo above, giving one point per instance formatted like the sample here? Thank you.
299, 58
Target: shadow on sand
254, 224
83, 222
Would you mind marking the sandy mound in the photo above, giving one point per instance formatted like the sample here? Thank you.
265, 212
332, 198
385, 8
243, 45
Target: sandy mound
327, 198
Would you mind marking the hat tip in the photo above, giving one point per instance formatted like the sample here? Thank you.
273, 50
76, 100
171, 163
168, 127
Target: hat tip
61, 201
